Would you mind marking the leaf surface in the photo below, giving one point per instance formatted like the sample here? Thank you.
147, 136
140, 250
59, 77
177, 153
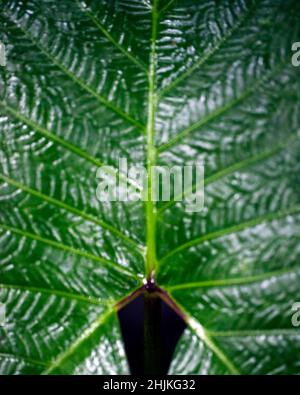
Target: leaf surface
159, 83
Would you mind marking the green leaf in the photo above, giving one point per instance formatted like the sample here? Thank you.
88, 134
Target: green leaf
160, 83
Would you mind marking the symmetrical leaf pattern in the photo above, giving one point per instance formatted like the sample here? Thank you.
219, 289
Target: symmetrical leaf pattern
160, 82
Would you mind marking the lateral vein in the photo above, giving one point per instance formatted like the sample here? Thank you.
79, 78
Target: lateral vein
80, 82
25, 359
87, 333
233, 229
242, 165
111, 39
209, 53
234, 281
67, 145
49, 291
64, 247
221, 110
71, 209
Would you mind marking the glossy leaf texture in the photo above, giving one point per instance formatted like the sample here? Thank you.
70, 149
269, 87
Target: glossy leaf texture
160, 83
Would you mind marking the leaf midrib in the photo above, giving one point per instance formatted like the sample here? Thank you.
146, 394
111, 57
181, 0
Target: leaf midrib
151, 263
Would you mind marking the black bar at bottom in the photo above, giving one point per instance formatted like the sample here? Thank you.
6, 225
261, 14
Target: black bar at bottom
87, 385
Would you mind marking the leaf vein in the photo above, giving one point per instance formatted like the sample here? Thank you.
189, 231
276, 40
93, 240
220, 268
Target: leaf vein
71, 209
243, 164
221, 110
67, 145
56, 292
87, 333
80, 82
66, 248
110, 38
25, 359
209, 53
234, 281
233, 229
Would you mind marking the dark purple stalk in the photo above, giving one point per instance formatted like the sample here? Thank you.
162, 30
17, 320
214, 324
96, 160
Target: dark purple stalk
153, 363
